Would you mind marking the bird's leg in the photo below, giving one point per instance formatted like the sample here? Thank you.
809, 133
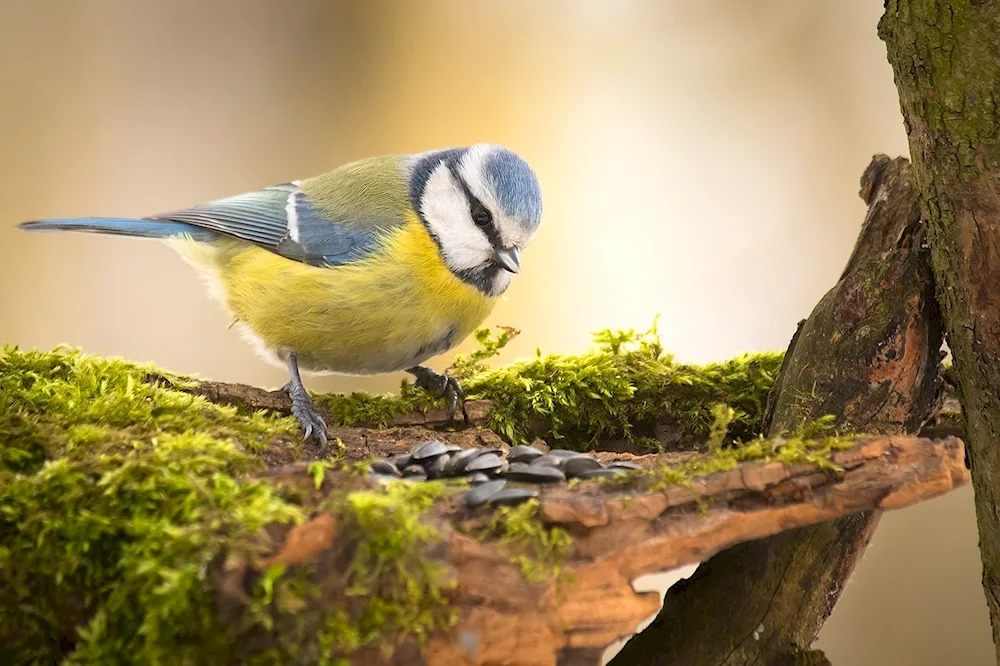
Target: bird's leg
302, 405
441, 386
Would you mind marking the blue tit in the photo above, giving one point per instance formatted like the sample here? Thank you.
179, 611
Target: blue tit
374, 267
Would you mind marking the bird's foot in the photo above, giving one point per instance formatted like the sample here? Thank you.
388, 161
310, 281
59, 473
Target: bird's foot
303, 409
442, 386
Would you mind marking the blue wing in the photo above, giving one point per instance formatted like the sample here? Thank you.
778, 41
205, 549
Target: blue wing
281, 219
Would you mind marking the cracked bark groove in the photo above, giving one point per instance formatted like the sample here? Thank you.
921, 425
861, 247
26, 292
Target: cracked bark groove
945, 58
868, 354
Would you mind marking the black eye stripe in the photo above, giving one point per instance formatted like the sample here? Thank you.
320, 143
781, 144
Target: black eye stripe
475, 205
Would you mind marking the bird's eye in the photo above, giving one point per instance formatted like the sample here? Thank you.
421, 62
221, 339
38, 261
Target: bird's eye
481, 216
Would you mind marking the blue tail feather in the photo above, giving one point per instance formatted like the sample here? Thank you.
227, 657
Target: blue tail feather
122, 227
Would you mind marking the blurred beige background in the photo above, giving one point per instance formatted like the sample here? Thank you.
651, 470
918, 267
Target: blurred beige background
699, 159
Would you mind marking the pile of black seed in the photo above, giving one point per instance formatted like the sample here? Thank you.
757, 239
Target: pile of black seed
489, 470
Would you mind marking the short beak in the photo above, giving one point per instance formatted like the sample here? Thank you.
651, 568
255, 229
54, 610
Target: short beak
508, 259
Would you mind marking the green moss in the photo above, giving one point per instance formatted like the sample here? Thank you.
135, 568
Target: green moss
119, 496
539, 550
117, 544
358, 409
620, 390
811, 444
722, 418
400, 591
57, 403
465, 367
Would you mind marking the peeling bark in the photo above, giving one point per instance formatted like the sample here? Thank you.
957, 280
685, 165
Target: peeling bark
869, 355
946, 61
619, 534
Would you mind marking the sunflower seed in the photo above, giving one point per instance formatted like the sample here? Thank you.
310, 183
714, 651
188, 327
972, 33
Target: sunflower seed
459, 461
533, 473
579, 465
490, 463
384, 467
430, 449
435, 466
522, 453
510, 496
603, 473
482, 493
623, 464
415, 473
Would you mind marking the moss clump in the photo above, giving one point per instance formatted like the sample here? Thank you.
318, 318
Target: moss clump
811, 444
118, 498
357, 409
57, 404
399, 589
539, 551
619, 391
392, 590
110, 550
115, 494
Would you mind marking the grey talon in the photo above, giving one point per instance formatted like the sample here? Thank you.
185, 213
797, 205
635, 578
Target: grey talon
312, 424
441, 386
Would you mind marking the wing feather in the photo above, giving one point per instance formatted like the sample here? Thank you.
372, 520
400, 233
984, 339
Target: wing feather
330, 220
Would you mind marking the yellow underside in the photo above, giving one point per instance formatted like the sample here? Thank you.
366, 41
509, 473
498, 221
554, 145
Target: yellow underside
383, 314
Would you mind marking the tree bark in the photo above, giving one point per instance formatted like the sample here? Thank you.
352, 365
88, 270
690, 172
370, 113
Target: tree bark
946, 61
618, 535
869, 354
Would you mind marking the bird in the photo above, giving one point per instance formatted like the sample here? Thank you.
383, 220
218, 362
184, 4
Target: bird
371, 268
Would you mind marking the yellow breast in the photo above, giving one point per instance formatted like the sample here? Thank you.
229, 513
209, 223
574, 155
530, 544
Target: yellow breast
385, 313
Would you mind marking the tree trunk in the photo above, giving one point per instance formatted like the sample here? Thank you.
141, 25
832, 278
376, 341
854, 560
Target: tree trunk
946, 61
869, 355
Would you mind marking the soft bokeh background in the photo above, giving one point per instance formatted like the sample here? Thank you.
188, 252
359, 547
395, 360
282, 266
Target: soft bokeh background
699, 159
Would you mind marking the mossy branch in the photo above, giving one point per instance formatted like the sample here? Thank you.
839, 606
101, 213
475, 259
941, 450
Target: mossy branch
127, 503
626, 394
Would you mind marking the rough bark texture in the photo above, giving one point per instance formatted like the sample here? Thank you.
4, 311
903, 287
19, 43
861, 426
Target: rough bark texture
946, 61
868, 354
619, 534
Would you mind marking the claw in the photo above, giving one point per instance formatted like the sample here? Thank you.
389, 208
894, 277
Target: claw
442, 386
312, 424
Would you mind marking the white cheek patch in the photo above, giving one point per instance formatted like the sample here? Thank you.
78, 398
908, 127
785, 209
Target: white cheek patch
446, 211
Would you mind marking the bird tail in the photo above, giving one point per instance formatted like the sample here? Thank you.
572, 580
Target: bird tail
122, 227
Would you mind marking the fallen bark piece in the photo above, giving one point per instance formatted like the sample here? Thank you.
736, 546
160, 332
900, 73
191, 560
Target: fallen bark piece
550, 582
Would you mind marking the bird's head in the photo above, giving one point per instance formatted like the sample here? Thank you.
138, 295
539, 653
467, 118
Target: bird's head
482, 206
